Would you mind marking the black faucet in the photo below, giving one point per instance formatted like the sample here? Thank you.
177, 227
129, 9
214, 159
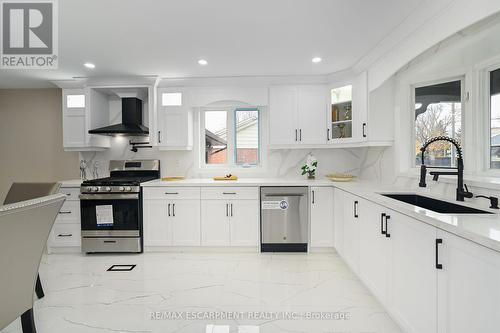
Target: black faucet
461, 191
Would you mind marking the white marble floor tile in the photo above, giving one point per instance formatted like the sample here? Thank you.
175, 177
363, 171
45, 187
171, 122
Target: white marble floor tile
205, 292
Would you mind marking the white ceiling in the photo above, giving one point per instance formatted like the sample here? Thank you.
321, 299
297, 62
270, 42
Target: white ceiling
237, 37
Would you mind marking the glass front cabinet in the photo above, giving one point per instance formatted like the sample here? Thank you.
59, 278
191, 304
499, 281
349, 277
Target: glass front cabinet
347, 111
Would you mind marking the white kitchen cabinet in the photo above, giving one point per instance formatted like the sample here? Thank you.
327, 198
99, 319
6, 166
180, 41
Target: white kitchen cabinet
157, 228
175, 120
322, 228
338, 220
65, 235
297, 115
352, 212
413, 278
171, 216
375, 249
468, 292
244, 222
230, 216
184, 216
78, 120
215, 230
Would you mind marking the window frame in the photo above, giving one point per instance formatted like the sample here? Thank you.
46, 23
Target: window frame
459, 77
231, 142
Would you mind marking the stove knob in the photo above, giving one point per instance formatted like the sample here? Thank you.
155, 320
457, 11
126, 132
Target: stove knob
89, 189
95, 189
121, 188
108, 189
128, 189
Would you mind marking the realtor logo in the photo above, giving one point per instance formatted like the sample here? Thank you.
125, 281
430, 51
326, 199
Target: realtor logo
29, 34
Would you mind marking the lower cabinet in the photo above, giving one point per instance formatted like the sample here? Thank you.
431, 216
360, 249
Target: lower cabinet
468, 291
230, 222
321, 199
66, 232
428, 279
413, 278
351, 212
171, 222
338, 220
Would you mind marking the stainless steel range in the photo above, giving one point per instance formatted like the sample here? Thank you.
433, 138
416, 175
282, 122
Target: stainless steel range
111, 208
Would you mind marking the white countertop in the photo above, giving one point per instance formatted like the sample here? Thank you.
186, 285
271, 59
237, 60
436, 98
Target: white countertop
239, 182
70, 183
483, 229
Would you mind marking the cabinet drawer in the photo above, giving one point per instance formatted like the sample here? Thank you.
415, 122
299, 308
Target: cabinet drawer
65, 235
72, 193
69, 213
229, 193
178, 193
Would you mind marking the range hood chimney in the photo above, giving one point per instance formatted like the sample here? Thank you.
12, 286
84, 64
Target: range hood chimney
131, 124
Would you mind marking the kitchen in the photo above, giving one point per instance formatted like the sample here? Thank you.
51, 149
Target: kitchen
207, 186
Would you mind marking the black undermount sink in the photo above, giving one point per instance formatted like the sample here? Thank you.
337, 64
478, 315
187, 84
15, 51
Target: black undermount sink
435, 205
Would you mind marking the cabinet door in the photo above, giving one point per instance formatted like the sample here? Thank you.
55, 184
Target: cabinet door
157, 226
244, 222
283, 116
312, 107
413, 281
74, 111
175, 130
468, 291
375, 249
215, 229
185, 217
338, 218
321, 216
352, 213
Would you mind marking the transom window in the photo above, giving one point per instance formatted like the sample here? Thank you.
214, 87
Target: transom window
495, 119
232, 137
438, 112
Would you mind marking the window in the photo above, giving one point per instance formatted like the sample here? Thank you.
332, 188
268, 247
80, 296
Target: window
171, 99
232, 137
495, 119
438, 112
75, 101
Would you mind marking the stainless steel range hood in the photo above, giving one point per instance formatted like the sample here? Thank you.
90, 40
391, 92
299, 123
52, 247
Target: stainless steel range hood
131, 124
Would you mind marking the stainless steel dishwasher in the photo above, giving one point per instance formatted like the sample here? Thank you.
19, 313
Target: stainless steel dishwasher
284, 219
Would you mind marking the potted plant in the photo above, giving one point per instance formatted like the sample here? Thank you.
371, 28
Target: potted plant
310, 167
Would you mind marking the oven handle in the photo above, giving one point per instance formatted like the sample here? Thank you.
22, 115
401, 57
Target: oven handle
116, 196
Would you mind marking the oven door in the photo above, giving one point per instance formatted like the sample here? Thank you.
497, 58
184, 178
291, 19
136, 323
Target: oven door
110, 214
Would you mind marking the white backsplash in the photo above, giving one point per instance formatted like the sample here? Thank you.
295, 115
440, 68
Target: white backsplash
366, 163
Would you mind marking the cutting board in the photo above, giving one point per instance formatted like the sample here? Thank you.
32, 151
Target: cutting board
173, 178
232, 177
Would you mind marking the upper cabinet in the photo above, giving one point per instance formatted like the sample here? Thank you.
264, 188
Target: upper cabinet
297, 115
174, 120
78, 120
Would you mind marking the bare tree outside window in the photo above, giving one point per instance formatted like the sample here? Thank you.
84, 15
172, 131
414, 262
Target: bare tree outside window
438, 112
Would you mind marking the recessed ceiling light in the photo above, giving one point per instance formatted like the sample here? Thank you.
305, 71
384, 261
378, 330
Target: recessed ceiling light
89, 65
203, 62
316, 60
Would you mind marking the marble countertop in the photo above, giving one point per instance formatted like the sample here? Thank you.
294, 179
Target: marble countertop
483, 229
70, 183
240, 182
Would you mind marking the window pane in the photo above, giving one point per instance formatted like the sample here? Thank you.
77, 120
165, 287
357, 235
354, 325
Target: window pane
75, 101
495, 119
216, 137
438, 112
247, 137
171, 99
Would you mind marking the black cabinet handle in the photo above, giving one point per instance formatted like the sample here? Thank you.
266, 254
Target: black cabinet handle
64, 235
296, 135
227, 210
327, 134
300, 134
109, 241
356, 209
229, 193
65, 212
171, 193
387, 234
231, 210
364, 130
382, 218
438, 241
173, 210
313, 199
168, 209
159, 136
